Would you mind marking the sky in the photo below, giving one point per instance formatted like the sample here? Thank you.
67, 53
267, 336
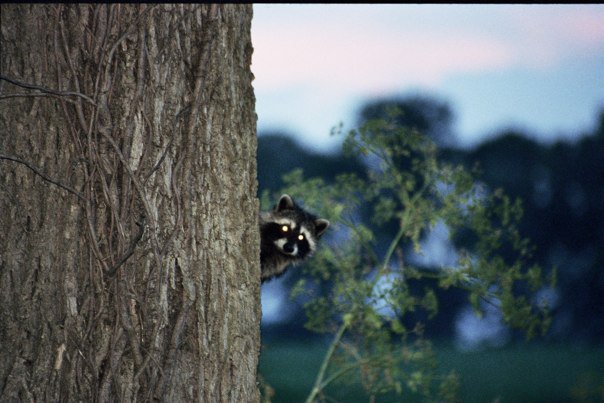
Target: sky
538, 68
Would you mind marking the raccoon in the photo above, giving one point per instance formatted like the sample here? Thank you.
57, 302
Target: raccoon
288, 235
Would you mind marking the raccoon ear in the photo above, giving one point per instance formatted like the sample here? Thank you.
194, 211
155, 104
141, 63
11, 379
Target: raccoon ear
321, 225
285, 203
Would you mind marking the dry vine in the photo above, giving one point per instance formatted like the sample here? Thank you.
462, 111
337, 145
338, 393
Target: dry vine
121, 221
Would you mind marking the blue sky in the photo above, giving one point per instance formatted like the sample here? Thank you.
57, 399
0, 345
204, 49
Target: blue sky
535, 67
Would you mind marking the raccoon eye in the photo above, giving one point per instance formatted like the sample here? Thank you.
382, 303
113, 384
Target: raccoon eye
300, 237
285, 228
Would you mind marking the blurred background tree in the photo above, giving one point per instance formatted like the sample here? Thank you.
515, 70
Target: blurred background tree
561, 186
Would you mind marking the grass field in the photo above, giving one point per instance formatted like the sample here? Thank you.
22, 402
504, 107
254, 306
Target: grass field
526, 373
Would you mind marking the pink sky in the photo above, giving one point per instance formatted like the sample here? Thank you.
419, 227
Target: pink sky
366, 54
336, 54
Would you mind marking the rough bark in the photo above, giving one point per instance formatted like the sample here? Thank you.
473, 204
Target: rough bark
128, 219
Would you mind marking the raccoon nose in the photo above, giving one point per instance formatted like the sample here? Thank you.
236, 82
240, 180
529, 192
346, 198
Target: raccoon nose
288, 247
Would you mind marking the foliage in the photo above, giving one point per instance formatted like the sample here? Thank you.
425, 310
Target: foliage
365, 282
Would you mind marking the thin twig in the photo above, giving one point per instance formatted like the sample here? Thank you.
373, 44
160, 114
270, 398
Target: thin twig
319, 383
175, 341
78, 105
24, 95
130, 251
163, 155
44, 89
128, 32
42, 175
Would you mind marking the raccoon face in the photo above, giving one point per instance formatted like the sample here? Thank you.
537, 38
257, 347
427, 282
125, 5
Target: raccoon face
288, 235
294, 239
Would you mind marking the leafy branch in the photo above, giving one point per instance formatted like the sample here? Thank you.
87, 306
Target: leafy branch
403, 194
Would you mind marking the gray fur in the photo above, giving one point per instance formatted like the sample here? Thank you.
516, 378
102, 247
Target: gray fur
281, 250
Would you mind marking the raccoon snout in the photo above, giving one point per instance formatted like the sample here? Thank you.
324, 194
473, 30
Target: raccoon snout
290, 248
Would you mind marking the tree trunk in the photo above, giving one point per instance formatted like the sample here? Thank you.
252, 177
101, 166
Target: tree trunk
129, 265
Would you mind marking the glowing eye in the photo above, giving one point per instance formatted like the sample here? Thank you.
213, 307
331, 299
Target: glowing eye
285, 228
300, 237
